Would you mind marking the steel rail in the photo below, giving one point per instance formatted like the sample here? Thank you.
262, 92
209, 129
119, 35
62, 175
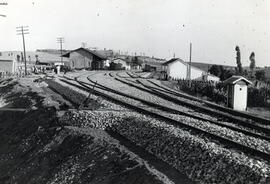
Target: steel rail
261, 120
199, 108
225, 141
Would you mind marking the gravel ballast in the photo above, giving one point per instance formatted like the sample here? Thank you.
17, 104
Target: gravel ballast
215, 129
199, 158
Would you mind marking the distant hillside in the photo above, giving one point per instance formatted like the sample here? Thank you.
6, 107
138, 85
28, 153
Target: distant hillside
207, 66
31, 56
52, 51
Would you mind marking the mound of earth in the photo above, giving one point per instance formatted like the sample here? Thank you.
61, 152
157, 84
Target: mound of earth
35, 148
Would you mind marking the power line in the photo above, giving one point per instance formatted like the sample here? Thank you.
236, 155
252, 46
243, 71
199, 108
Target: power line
61, 41
22, 30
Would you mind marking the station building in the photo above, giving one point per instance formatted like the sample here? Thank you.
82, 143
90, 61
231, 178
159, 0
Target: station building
176, 68
84, 58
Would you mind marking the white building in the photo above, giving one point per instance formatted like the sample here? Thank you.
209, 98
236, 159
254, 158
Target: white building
178, 69
8, 65
237, 92
210, 77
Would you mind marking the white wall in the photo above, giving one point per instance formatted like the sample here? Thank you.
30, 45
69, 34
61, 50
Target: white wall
14, 66
179, 70
212, 78
196, 73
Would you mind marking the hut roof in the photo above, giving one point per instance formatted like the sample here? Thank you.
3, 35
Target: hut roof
234, 79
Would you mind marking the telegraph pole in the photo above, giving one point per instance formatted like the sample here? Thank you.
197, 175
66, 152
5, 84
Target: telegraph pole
189, 69
61, 41
22, 30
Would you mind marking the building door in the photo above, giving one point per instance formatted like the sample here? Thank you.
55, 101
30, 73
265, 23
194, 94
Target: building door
240, 97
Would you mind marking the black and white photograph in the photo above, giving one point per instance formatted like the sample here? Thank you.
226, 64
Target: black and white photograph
134, 92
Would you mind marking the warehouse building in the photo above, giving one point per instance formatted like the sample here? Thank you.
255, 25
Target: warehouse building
83, 58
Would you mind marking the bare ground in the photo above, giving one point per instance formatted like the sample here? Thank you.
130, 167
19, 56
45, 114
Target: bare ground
35, 148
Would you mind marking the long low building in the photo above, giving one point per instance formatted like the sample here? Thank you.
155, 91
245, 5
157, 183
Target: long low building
8, 65
84, 58
32, 57
178, 69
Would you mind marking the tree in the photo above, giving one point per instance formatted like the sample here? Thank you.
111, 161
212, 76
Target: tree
221, 72
238, 60
260, 75
215, 70
252, 62
226, 74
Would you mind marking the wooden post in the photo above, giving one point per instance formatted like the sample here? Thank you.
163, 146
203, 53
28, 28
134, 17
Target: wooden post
189, 69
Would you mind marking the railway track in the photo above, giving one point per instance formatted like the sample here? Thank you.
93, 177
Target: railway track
213, 105
200, 107
218, 122
170, 110
100, 91
236, 115
262, 120
240, 122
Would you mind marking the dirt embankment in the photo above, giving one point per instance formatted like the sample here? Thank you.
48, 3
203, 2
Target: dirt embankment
35, 148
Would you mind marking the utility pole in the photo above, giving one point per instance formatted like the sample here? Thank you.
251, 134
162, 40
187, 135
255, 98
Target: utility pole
61, 41
189, 69
22, 30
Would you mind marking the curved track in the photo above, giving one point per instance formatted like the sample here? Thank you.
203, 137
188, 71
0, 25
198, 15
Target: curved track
113, 95
199, 106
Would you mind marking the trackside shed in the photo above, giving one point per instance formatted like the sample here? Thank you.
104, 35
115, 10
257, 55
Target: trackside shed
237, 92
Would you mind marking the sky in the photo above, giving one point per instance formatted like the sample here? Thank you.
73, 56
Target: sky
159, 28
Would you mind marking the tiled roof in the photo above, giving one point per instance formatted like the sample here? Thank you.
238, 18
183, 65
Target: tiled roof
173, 60
87, 50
